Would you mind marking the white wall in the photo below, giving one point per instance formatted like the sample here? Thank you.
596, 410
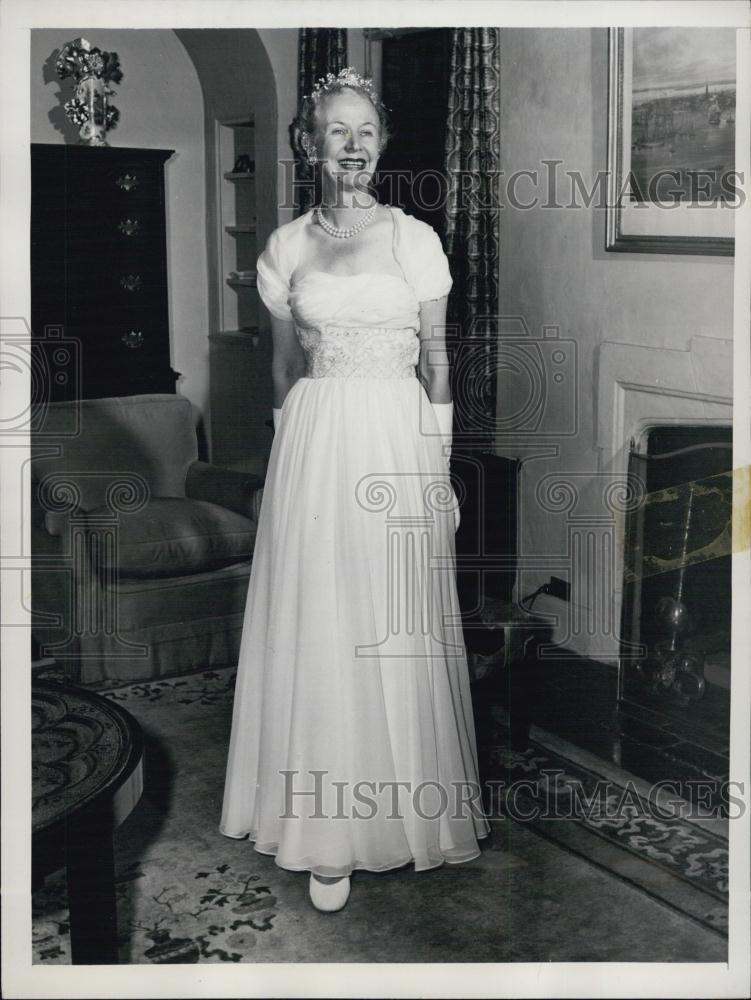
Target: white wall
281, 47
555, 272
161, 106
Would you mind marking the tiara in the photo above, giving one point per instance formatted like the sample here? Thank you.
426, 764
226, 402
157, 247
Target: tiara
347, 77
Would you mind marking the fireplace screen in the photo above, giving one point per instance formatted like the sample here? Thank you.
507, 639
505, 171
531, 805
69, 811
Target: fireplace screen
677, 576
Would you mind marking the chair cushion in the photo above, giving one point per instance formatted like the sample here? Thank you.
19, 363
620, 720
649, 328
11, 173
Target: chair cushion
173, 536
91, 443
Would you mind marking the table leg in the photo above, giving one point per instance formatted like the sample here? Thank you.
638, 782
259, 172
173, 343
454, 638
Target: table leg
91, 891
522, 693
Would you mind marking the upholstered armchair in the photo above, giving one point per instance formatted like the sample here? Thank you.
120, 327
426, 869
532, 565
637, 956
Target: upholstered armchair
141, 553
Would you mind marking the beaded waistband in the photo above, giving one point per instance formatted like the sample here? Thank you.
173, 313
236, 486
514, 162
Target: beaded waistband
360, 352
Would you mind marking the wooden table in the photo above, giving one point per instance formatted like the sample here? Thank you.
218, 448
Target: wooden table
87, 775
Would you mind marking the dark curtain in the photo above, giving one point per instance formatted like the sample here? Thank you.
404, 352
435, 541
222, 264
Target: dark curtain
472, 228
320, 51
415, 85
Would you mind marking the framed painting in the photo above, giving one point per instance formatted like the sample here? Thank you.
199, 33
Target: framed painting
672, 183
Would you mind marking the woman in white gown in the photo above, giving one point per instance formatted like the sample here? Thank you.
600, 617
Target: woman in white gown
352, 743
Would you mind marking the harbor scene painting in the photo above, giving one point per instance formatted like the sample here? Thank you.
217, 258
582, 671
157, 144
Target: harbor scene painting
683, 90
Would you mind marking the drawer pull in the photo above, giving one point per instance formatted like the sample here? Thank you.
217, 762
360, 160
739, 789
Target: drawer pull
131, 282
127, 182
129, 227
133, 338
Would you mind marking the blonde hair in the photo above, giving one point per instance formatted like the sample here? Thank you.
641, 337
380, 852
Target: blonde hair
306, 121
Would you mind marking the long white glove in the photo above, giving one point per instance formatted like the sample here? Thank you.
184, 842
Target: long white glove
444, 415
277, 418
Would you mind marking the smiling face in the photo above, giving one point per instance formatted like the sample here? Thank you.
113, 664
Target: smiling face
348, 138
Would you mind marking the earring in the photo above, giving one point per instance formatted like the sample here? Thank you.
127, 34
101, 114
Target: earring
310, 149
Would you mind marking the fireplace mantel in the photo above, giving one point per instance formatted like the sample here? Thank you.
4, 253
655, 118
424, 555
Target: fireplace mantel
640, 386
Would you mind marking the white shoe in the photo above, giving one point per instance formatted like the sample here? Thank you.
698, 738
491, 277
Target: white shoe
329, 896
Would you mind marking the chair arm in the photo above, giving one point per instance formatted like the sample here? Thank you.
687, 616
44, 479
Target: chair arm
237, 491
45, 543
52, 522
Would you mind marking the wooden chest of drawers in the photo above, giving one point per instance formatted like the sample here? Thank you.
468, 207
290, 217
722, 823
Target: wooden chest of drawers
99, 295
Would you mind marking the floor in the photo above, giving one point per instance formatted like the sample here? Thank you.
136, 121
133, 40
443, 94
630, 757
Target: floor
523, 900
186, 894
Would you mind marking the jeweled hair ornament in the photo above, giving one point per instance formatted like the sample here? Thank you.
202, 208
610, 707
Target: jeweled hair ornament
347, 77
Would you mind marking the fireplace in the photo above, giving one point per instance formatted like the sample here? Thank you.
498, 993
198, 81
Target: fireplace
675, 634
638, 671
664, 417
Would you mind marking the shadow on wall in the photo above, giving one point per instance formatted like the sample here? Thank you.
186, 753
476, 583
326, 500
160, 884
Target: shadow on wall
58, 118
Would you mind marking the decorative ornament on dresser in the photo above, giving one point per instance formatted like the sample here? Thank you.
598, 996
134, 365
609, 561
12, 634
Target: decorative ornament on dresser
92, 70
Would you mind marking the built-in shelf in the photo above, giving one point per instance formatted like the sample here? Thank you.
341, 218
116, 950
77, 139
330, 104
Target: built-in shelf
239, 353
251, 332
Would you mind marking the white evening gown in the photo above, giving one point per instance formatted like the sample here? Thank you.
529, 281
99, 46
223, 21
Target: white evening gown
352, 674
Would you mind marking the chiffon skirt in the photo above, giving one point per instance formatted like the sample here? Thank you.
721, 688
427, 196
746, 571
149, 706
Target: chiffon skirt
352, 742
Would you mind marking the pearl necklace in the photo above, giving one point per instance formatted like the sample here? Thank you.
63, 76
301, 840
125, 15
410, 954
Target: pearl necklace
345, 234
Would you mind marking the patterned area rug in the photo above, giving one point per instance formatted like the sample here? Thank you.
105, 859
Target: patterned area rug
189, 904
185, 894
216, 916
613, 825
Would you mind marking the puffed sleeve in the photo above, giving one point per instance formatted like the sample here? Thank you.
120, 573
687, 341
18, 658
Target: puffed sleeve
273, 278
433, 278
